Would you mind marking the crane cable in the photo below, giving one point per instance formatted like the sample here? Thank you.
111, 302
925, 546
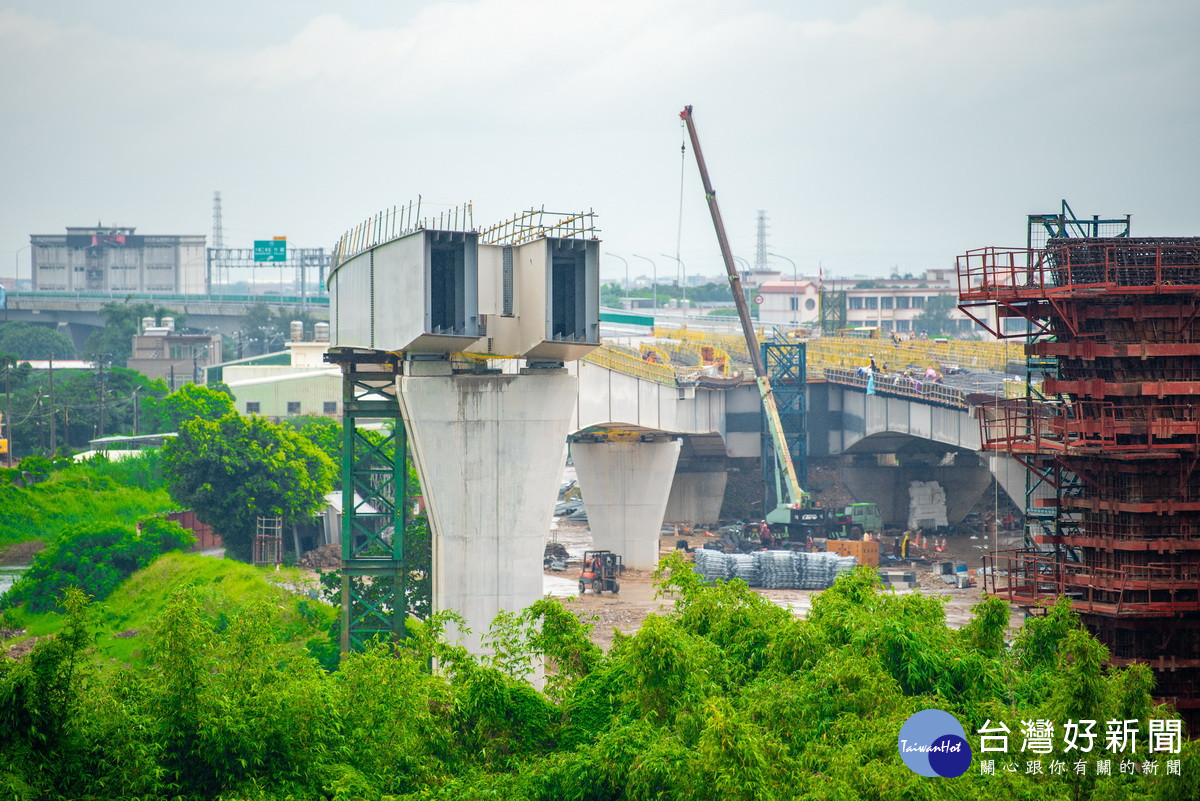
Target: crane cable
679, 226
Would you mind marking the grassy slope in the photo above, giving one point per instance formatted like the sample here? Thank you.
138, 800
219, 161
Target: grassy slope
141, 599
69, 499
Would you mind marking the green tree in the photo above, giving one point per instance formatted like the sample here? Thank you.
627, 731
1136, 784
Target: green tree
935, 319
264, 327
113, 344
34, 342
95, 403
234, 469
189, 402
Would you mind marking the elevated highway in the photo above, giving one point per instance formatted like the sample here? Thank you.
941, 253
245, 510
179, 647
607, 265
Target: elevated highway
893, 431
79, 314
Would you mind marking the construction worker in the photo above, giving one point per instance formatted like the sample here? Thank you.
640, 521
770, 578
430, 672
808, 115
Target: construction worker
766, 538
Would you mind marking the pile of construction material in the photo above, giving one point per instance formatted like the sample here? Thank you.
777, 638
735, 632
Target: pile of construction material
774, 570
926, 505
712, 565
778, 570
744, 566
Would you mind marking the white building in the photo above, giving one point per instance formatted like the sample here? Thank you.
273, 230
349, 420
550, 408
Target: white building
890, 304
115, 259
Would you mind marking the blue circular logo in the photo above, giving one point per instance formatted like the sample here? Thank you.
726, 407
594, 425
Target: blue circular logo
933, 743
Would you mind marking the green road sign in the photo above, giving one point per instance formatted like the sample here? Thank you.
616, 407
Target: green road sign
270, 249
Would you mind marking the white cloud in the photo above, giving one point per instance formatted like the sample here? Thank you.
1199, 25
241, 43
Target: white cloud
882, 131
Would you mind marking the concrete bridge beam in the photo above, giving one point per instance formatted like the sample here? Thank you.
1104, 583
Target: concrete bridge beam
625, 485
489, 450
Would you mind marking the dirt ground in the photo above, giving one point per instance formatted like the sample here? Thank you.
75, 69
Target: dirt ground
625, 611
21, 553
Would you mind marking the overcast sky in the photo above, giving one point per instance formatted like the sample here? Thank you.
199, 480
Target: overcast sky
875, 135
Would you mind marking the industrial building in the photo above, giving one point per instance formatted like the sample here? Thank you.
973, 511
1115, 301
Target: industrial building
889, 304
116, 259
178, 359
296, 382
1115, 432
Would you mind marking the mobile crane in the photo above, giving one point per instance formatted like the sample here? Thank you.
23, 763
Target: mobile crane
797, 500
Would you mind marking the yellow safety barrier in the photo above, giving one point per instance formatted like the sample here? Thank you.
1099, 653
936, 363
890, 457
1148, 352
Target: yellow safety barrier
654, 354
733, 344
853, 352
680, 354
624, 360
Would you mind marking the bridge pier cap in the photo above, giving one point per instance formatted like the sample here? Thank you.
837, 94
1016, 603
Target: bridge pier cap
489, 447
445, 292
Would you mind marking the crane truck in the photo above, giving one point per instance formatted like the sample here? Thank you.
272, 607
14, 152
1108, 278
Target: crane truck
795, 497
795, 512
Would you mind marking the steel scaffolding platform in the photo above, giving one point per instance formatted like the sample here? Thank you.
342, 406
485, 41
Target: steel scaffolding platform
1115, 430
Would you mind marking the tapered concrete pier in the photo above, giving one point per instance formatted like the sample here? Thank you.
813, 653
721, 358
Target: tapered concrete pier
490, 451
625, 485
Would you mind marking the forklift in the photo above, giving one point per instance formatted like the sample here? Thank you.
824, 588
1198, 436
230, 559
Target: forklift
600, 571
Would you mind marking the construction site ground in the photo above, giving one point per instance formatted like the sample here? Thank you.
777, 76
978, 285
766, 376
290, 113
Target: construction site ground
625, 611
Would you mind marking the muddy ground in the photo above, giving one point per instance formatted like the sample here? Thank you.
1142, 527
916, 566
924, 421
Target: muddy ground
625, 611
20, 553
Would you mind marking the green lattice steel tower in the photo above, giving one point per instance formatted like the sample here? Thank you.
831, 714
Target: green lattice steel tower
374, 511
787, 371
833, 310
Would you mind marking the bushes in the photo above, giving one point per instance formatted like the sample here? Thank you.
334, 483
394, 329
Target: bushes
96, 492
722, 697
94, 559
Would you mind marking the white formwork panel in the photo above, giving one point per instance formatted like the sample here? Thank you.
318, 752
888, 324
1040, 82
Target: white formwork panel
350, 303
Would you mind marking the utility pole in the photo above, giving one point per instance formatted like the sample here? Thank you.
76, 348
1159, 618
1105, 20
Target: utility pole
100, 376
53, 437
7, 413
41, 417
136, 390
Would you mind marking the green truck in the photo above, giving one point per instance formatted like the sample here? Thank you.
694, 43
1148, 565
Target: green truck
848, 523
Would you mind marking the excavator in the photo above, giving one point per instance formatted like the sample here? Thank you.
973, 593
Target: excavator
795, 506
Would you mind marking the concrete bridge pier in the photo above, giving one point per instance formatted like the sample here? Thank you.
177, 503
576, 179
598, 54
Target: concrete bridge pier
696, 496
489, 450
625, 484
964, 482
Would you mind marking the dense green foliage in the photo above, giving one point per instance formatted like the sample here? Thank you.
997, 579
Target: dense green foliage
189, 402
120, 627
94, 559
35, 342
65, 496
728, 696
234, 469
87, 404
